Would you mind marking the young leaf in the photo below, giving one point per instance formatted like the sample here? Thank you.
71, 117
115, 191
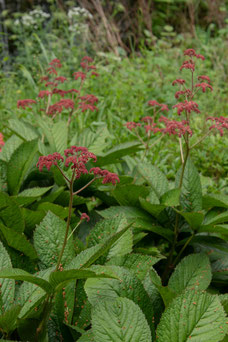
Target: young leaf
19, 164
119, 320
191, 192
193, 316
18, 241
7, 287
48, 240
18, 274
194, 271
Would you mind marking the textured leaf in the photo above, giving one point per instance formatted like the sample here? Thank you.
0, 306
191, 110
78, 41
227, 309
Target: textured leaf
215, 200
128, 195
129, 212
23, 129
7, 288
220, 218
154, 177
18, 241
48, 241
10, 146
60, 133
106, 228
114, 155
8, 319
194, 219
88, 336
30, 195
191, 192
128, 286
59, 279
119, 320
137, 263
10, 213
216, 229
18, 274
32, 218
154, 228
194, 271
54, 208
3, 176
171, 198
153, 209
193, 316
90, 255
19, 164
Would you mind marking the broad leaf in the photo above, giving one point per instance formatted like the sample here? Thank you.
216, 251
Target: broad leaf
194, 271
19, 164
23, 129
18, 241
48, 241
171, 198
30, 195
221, 229
10, 213
9, 318
10, 146
128, 195
215, 219
60, 133
154, 177
167, 233
18, 274
119, 320
193, 316
194, 219
7, 285
153, 209
215, 200
129, 212
191, 192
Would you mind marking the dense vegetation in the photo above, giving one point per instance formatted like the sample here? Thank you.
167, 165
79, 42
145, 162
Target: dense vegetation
113, 171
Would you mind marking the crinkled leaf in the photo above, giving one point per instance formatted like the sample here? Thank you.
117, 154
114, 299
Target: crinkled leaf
193, 316
60, 134
119, 320
194, 271
48, 241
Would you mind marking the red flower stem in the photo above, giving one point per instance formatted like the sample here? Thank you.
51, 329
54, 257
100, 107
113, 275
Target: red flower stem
66, 178
85, 186
68, 220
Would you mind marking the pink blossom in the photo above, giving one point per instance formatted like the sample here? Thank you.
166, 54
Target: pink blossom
1, 141
220, 123
84, 216
204, 86
131, 124
25, 103
188, 106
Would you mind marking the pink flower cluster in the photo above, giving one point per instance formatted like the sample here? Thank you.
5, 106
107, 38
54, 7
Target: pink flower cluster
53, 80
173, 127
77, 158
1, 141
219, 124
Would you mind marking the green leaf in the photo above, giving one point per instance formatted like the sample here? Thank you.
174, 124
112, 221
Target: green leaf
18, 274
10, 213
18, 241
10, 146
193, 316
90, 255
23, 129
194, 219
60, 134
219, 218
194, 271
28, 196
137, 263
119, 320
171, 198
60, 279
154, 228
128, 286
191, 192
19, 165
7, 288
114, 155
88, 336
129, 212
153, 209
214, 229
129, 194
154, 177
8, 320
32, 218
54, 208
48, 241
215, 200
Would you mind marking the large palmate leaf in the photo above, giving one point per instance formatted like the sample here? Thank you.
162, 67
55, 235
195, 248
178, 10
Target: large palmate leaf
18, 241
193, 316
48, 241
191, 192
119, 320
194, 271
128, 286
10, 213
19, 164
7, 285
154, 177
